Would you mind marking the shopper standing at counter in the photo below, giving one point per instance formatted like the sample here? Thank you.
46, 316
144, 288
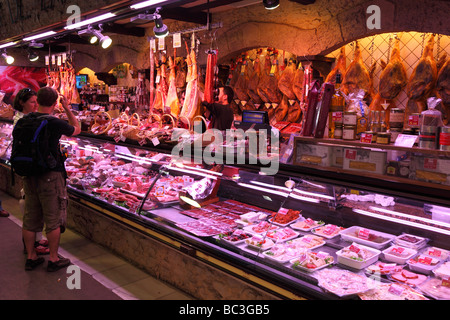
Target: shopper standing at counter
46, 194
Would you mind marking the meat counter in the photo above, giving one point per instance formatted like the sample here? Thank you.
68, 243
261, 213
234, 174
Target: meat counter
296, 231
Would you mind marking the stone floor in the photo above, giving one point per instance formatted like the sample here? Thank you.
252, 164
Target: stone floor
112, 272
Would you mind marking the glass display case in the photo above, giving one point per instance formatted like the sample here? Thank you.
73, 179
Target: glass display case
299, 229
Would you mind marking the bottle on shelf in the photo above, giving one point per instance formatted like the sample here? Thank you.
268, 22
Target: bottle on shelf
336, 109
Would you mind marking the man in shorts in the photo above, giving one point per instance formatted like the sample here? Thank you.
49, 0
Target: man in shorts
45, 194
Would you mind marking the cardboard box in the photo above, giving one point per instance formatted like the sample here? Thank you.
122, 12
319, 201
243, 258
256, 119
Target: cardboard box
365, 160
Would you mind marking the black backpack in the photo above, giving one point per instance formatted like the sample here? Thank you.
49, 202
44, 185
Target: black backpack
30, 154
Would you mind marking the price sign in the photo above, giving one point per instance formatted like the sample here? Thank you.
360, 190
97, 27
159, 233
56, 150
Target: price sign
425, 260
309, 221
159, 191
283, 211
153, 44
398, 250
354, 248
396, 289
364, 234
161, 44
435, 252
366, 137
177, 40
142, 142
330, 229
155, 141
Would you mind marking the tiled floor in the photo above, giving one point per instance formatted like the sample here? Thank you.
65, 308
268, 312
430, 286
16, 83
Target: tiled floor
115, 273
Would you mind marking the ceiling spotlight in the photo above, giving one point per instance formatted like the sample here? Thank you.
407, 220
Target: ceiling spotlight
8, 59
160, 28
271, 4
96, 35
33, 56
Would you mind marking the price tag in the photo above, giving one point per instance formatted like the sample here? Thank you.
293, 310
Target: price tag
161, 44
309, 221
59, 61
47, 60
445, 282
142, 142
134, 206
396, 289
64, 57
366, 137
155, 141
283, 211
405, 140
430, 163
364, 234
117, 139
159, 191
354, 248
322, 254
435, 253
387, 267
177, 40
425, 260
153, 44
413, 120
330, 229
307, 239
53, 59
398, 250
350, 154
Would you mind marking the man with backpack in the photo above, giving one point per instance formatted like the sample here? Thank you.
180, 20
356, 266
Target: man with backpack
37, 157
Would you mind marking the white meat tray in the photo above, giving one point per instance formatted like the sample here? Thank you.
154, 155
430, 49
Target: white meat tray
350, 235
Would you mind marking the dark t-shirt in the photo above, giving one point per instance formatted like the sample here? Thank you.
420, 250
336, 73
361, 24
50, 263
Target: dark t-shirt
221, 115
57, 128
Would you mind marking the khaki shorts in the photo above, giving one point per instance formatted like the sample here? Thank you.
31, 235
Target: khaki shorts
45, 202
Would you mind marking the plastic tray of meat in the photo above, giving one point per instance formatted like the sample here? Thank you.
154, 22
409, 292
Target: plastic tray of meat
261, 227
282, 234
328, 231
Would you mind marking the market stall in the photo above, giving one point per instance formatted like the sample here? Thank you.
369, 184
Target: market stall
356, 130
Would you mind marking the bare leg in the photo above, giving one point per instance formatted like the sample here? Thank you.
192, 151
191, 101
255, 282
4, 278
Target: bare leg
29, 237
53, 244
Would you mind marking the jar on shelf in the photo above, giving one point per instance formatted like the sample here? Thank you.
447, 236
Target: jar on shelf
396, 118
349, 132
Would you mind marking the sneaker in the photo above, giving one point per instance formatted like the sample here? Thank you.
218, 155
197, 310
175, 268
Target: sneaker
4, 213
32, 264
55, 266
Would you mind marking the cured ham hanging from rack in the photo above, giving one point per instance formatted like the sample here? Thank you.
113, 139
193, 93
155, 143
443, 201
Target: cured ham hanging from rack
190, 103
172, 102
356, 76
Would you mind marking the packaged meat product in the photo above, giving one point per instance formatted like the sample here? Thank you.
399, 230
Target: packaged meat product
343, 282
437, 253
307, 224
423, 263
443, 271
368, 237
410, 241
398, 254
285, 216
284, 252
235, 237
312, 261
259, 242
383, 268
282, 234
328, 231
261, 227
436, 288
357, 256
309, 241
408, 277
392, 291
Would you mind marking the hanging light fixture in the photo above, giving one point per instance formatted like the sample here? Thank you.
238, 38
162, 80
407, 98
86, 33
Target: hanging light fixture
33, 56
160, 28
96, 35
8, 59
271, 4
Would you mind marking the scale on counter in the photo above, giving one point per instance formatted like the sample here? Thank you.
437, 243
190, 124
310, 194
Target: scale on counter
253, 119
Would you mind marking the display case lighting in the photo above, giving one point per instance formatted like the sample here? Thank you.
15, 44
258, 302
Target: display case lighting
400, 221
314, 194
247, 185
8, 59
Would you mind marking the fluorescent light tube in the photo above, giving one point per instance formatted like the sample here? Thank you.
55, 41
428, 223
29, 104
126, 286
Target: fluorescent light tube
144, 4
6, 45
38, 36
90, 21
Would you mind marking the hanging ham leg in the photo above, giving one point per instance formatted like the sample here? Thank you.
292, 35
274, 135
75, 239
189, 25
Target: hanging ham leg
286, 80
340, 67
190, 103
356, 76
297, 86
393, 78
254, 81
423, 78
172, 101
